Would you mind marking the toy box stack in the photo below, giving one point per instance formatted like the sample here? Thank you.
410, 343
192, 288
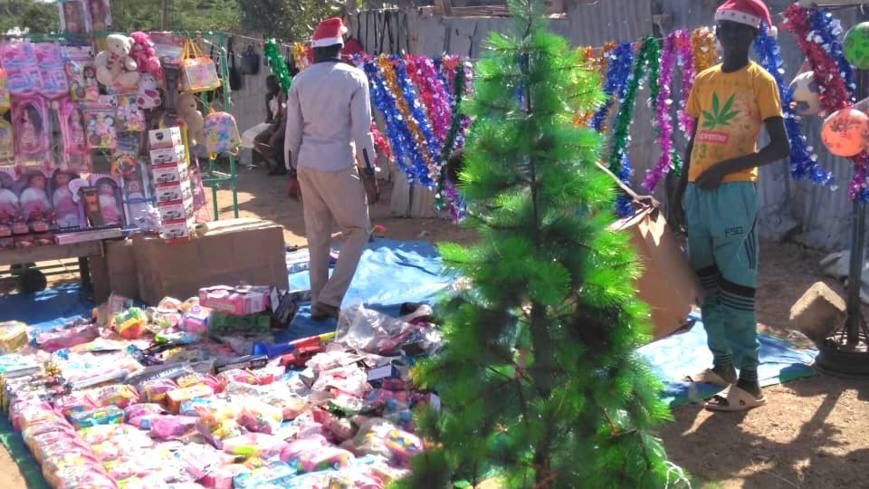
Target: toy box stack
172, 186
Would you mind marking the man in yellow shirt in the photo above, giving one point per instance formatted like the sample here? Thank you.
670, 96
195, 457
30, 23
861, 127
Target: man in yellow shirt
730, 103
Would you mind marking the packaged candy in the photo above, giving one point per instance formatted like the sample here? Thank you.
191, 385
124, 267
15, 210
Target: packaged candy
14, 335
99, 416
259, 417
166, 427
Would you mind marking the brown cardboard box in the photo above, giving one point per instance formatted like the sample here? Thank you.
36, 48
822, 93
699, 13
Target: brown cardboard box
667, 284
230, 252
115, 271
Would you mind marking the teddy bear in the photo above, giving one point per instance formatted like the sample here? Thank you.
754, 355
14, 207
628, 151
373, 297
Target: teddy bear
188, 110
145, 55
149, 95
115, 67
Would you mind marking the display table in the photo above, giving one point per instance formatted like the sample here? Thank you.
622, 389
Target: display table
31, 278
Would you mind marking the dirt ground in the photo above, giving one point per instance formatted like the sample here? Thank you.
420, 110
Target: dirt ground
814, 434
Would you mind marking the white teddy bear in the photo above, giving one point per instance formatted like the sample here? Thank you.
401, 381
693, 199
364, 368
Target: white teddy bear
115, 68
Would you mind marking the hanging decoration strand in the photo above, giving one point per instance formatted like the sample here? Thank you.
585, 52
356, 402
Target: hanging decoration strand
663, 115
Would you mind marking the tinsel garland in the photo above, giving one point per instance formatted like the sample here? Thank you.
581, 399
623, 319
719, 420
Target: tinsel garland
804, 164
380, 142
833, 87
278, 64
433, 93
684, 44
447, 196
829, 28
417, 120
831, 81
620, 163
705, 52
663, 114
300, 55
408, 155
619, 64
591, 61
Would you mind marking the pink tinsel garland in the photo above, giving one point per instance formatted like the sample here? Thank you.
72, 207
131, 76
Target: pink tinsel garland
433, 94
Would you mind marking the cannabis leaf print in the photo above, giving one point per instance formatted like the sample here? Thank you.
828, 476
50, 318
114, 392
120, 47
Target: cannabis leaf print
720, 116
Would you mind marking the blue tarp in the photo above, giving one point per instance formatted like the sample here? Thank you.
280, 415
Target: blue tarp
394, 272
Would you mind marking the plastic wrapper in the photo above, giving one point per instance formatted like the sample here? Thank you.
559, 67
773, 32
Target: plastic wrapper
155, 391
14, 336
349, 379
259, 417
176, 397
98, 416
200, 460
315, 454
218, 423
119, 395
90, 476
139, 415
259, 445
58, 339
166, 427
280, 475
380, 437
373, 332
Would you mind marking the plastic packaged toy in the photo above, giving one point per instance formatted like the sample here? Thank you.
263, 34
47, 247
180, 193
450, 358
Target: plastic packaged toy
66, 209
66, 337
51, 67
167, 427
130, 324
221, 134
259, 417
14, 335
18, 58
30, 122
99, 416
109, 198
238, 301
82, 73
74, 17
100, 127
315, 454
130, 117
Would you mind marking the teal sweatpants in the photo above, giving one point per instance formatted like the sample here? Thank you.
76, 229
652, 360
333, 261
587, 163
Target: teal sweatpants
722, 246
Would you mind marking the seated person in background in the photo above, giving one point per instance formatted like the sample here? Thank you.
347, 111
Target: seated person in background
264, 143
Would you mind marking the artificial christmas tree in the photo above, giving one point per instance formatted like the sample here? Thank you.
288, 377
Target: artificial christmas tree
540, 383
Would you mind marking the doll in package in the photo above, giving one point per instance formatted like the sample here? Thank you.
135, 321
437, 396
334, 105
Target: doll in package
100, 127
81, 72
7, 143
74, 17
9, 206
100, 15
76, 155
34, 203
30, 127
66, 208
109, 199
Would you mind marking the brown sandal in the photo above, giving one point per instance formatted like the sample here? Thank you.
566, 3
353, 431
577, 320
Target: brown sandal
708, 376
737, 400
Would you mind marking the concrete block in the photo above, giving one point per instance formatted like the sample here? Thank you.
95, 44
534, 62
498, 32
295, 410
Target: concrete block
818, 312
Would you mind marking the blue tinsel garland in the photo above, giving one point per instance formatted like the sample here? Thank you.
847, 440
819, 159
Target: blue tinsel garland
804, 164
407, 153
418, 112
620, 61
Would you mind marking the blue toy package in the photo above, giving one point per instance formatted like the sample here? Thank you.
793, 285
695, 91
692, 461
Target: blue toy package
96, 417
277, 474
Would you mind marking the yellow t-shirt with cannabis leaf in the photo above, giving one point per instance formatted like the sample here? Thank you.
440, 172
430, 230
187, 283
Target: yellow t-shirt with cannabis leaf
730, 109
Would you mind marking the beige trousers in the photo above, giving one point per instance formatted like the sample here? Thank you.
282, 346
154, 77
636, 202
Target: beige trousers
334, 198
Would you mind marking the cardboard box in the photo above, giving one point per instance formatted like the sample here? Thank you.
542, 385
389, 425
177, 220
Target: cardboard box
178, 230
165, 138
172, 156
668, 284
115, 271
176, 211
173, 192
235, 251
169, 174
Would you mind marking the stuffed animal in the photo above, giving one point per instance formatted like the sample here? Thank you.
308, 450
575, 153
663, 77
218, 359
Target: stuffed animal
115, 67
188, 110
149, 95
145, 55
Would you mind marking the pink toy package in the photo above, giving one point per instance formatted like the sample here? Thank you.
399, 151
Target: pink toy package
10, 208
67, 210
110, 199
238, 301
35, 206
81, 73
74, 17
76, 154
19, 60
51, 69
30, 121
130, 117
100, 127
7, 143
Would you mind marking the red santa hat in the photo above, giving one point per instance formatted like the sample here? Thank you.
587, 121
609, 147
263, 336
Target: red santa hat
329, 33
748, 12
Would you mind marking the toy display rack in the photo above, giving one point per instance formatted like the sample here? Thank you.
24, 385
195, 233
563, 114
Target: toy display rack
24, 263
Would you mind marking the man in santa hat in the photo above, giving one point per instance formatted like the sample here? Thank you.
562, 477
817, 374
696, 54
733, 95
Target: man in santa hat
731, 103
330, 158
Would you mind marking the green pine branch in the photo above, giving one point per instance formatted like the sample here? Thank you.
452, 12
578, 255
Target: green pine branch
540, 383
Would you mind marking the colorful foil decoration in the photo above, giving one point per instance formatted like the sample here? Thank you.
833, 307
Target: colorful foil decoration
433, 93
447, 196
278, 64
619, 64
418, 122
705, 51
663, 114
831, 33
620, 163
684, 44
803, 163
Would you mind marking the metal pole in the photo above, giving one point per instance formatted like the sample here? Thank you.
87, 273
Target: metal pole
855, 276
164, 14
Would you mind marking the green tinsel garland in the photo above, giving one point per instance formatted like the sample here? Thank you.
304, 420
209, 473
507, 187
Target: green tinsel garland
452, 136
649, 56
278, 64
